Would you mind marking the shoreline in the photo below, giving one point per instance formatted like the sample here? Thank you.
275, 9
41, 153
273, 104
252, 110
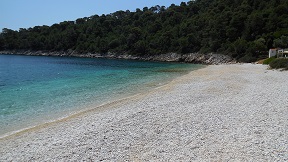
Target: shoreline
196, 58
221, 113
95, 108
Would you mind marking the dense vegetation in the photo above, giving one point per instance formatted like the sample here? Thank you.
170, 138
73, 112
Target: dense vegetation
279, 63
244, 29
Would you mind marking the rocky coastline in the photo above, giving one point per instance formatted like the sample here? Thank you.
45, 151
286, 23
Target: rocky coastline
207, 59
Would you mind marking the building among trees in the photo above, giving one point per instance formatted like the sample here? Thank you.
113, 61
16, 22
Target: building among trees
278, 52
282, 53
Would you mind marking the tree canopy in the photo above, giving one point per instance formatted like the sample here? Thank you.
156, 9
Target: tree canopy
244, 29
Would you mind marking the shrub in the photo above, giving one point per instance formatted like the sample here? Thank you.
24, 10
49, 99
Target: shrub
279, 64
268, 60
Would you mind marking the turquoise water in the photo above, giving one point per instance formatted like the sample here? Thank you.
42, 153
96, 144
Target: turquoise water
37, 89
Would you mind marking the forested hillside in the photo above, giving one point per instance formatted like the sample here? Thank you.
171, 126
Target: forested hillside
243, 29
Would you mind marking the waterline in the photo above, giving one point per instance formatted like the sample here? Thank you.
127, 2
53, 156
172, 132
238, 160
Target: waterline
35, 90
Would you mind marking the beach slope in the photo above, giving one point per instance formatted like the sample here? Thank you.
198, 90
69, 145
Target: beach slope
218, 113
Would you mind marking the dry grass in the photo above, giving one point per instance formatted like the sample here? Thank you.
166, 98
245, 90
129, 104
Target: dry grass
260, 61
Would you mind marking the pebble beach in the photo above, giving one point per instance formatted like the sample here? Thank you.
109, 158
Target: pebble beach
236, 112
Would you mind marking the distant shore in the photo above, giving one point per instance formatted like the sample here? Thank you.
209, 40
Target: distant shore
234, 112
208, 59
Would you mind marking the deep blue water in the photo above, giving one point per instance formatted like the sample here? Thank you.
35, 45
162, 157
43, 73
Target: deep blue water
37, 89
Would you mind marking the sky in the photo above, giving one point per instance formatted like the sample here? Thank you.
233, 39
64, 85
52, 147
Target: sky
15, 14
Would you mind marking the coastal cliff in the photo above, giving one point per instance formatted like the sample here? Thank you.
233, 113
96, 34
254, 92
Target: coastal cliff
208, 59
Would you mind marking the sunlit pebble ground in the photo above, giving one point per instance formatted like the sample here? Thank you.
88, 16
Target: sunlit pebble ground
219, 113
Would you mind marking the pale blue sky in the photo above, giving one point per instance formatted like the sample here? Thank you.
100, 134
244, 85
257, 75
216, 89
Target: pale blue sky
15, 14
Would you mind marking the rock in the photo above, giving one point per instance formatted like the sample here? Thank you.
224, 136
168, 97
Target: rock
209, 59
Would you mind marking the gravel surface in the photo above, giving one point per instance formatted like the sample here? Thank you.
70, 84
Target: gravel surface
218, 113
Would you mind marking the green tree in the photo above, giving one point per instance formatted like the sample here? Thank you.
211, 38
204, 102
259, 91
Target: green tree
281, 42
240, 28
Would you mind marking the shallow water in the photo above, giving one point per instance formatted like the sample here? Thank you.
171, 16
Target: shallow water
37, 89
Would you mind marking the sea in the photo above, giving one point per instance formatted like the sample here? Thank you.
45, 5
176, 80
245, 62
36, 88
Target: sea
39, 89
